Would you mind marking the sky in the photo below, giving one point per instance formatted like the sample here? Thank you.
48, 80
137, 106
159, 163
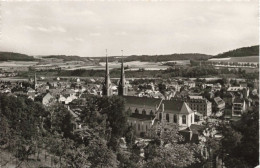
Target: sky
87, 28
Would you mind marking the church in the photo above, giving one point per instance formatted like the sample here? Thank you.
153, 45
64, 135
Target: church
148, 113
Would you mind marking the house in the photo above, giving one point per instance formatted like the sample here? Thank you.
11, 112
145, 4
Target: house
217, 86
30, 90
192, 133
67, 96
175, 86
200, 104
218, 105
47, 99
190, 84
238, 107
243, 90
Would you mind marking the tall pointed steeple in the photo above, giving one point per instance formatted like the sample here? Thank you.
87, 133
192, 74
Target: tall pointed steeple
35, 81
122, 88
107, 87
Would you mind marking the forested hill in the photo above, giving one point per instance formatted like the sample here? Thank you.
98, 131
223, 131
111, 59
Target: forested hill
10, 56
161, 58
68, 58
240, 52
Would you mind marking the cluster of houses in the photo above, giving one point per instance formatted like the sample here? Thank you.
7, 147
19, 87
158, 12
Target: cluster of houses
8, 74
182, 102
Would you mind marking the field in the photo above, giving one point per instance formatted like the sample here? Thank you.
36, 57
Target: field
132, 65
249, 59
17, 63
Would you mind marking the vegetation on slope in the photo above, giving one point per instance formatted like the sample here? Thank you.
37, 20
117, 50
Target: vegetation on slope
240, 52
68, 58
10, 56
28, 131
159, 58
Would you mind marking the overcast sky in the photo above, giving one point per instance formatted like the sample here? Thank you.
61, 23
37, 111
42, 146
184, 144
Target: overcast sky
88, 28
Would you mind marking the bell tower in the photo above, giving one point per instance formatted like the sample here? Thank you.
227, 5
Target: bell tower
122, 88
107, 86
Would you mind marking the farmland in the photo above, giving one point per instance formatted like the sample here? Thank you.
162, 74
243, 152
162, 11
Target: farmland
248, 59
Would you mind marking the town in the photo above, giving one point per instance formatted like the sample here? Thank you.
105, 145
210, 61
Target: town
129, 84
200, 110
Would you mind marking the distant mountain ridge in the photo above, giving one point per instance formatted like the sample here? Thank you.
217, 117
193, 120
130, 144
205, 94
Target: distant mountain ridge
240, 52
10, 56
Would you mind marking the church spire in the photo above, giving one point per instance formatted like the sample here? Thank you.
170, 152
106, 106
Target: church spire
35, 81
122, 79
107, 88
122, 89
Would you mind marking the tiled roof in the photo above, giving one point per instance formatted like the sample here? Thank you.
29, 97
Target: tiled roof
170, 106
141, 101
185, 109
195, 97
218, 100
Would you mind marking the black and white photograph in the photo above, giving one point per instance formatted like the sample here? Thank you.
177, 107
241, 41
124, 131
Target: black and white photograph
129, 84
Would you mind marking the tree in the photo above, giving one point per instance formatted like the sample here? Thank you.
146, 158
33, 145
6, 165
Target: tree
162, 88
167, 150
60, 120
130, 136
114, 108
240, 143
249, 146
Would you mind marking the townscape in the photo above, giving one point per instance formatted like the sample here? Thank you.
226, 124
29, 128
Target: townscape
177, 86
135, 120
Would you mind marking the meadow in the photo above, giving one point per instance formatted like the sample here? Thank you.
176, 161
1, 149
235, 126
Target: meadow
248, 59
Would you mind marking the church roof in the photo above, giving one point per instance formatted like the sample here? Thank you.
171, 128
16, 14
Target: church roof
170, 106
141, 101
185, 109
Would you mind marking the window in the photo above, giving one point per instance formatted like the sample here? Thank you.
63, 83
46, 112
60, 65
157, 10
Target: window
175, 118
160, 116
138, 127
167, 117
144, 112
136, 111
191, 119
146, 128
183, 119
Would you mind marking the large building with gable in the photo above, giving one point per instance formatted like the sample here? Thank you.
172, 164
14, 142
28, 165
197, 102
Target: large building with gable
147, 112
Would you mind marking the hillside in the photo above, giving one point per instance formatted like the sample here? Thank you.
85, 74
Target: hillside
10, 56
160, 58
68, 58
240, 52
170, 57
